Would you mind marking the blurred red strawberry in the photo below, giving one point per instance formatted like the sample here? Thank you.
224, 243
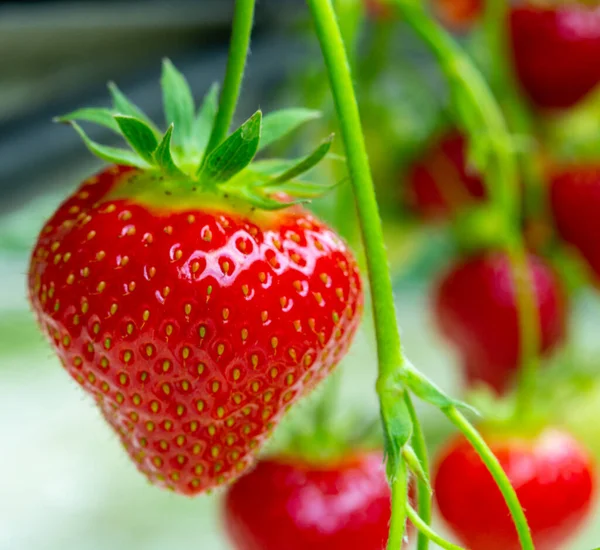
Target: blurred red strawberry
551, 472
475, 308
440, 183
378, 9
556, 52
292, 504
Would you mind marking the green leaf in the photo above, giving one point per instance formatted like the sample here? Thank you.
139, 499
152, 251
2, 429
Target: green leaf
235, 153
101, 116
280, 123
205, 118
426, 390
178, 104
163, 157
114, 155
139, 136
123, 106
308, 162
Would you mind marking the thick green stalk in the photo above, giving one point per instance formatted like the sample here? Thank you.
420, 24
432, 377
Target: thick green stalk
429, 534
243, 18
389, 350
399, 508
494, 467
387, 334
423, 491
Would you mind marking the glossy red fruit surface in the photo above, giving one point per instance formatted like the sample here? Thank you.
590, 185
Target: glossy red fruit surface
476, 310
287, 503
575, 200
556, 52
441, 183
554, 478
194, 325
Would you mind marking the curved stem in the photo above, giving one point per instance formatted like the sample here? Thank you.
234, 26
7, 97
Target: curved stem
494, 467
478, 109
428, 532
423, 491
399, 508
238, 50
389, 349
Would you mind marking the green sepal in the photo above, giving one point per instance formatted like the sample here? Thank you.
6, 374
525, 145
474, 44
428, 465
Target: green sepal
308, 162
264, 202
305, 189
139, 136
281, 123
163, 156
415, 466
205, 118
397, 429
234, 154
426, 390
96, 115
122, 105
113, 155
178, 104
272, 167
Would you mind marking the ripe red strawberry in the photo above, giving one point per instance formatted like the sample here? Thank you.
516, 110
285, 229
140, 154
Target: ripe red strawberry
575, 200
441, 182
377, 9
332, 506
475, 308
193, 317
555, 52
459, 13
551, 472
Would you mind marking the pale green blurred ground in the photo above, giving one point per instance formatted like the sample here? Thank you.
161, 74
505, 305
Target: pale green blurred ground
65, 482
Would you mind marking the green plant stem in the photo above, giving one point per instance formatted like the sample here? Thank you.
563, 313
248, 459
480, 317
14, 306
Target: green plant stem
506, 88
423, 491
479, 111
243, 18
425, 530
389, 350
494, 467
399, 508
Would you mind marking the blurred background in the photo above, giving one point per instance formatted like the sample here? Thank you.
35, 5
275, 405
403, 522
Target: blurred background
65, 481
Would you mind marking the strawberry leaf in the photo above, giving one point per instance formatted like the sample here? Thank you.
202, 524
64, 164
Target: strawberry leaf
114, 155
205, 118
308, 162
139, 136
101, 116
280, 123
234, 154
178, 104
163, 157
123, 106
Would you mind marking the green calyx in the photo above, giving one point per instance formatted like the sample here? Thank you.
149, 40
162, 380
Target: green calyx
181, 151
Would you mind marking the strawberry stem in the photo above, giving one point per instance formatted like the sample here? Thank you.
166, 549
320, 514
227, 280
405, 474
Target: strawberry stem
426, 530
389, 349
243, 18
480, 112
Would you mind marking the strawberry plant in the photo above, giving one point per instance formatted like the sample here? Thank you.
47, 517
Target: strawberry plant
191, 292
